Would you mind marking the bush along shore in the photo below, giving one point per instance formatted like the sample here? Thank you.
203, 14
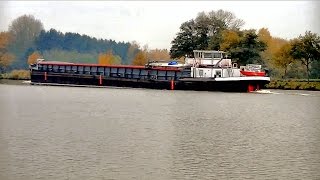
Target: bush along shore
294, 84
16, 75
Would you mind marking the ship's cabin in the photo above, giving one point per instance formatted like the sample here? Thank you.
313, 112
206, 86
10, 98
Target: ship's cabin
208, 54
209, 58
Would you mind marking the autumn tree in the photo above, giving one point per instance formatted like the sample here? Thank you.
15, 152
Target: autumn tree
105, 58
282, 58
32, 59
264, 35
108, 58
307, 49
229, 39
5, 57
140, 58
158, 54
273, 44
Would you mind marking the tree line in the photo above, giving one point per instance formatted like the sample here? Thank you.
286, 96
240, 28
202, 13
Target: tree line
26, 40
221, 30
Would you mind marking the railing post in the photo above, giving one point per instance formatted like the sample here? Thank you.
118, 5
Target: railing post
100, 79
172, 84
45, 76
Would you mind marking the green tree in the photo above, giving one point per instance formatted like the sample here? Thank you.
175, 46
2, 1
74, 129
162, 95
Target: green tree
202, 22
185, 42
306, 49
203, 32
315, 70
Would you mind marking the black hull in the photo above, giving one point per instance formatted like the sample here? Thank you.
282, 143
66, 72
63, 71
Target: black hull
182, 84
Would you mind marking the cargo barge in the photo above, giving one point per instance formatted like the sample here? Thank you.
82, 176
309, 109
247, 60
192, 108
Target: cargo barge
205, 71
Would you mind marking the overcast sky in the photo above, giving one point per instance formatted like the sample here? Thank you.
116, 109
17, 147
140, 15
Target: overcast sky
156, 23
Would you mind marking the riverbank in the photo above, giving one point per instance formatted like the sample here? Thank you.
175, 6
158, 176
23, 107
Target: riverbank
16, 75
295, 84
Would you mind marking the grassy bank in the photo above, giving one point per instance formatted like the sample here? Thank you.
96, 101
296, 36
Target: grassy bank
294, 84
17, 75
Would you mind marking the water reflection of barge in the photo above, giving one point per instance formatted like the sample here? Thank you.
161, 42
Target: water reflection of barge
207, 70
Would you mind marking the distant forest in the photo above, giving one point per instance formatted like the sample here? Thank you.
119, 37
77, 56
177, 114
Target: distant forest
58, 42
26, 40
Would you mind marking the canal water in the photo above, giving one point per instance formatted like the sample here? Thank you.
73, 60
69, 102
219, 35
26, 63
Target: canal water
49, 132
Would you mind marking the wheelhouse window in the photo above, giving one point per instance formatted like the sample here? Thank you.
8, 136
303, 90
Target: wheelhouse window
207, 55
217, 55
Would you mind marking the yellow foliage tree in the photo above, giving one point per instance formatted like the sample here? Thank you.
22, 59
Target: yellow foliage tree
273, 43
32, 59
273, 46
5, 57
282, 58
5, 60
158, 54
108, 58
4, 39
105, 58
229, 38
264, 35
140, 58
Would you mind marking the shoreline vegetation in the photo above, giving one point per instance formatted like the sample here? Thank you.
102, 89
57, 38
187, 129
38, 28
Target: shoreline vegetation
294, 84
20, 74
285, 84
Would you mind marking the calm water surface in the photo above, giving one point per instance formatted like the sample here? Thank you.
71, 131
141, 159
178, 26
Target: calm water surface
51, 132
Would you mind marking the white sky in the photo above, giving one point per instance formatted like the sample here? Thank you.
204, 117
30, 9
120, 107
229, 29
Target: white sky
156, 23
